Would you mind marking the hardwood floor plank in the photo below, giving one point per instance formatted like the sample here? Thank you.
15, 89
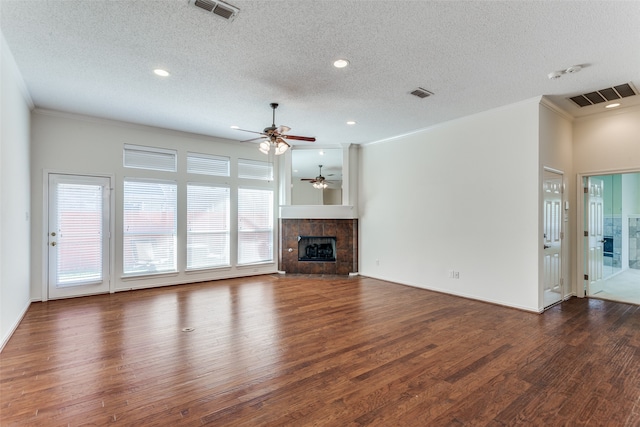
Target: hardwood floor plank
318, 351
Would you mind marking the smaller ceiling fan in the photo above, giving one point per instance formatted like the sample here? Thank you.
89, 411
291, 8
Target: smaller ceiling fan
276, 136
319, 181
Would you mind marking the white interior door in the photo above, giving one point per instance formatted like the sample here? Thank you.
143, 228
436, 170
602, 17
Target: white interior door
552, 237
78, 235
595, 234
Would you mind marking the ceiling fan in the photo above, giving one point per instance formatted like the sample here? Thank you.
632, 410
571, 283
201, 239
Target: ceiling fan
276, 136
319, 181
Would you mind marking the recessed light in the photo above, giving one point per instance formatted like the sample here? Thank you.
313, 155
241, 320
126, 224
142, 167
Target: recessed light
351, 122
322, 153
235, 127
341, 63
614, 105
160, 72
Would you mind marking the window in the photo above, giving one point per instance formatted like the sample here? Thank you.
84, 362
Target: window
149, 226
206, 164
207, 226
255, 226
255, 169
152, 158
79, 211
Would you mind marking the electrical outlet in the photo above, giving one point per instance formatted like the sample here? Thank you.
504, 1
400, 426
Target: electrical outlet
456, 274
451, 274
377, 262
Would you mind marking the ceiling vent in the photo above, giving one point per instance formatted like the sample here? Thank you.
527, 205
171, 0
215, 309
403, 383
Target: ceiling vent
604, 95
219, 8
421, 93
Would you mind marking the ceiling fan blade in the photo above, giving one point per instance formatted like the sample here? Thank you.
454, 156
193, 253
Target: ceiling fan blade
251, 131
253, 139
300, 138
308, 179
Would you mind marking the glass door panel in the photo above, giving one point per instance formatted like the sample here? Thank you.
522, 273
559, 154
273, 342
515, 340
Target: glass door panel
78, 235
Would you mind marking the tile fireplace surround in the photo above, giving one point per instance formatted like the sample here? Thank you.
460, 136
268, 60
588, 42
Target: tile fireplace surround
346, 233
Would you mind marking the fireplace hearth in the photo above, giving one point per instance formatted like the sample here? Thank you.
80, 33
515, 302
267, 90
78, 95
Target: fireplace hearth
317, 248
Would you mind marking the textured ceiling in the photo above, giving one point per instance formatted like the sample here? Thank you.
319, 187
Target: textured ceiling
96, 58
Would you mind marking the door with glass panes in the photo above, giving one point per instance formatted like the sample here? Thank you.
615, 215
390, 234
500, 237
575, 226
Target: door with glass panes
78, 235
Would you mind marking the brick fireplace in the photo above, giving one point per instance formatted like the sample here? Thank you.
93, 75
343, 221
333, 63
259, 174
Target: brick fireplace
345, 232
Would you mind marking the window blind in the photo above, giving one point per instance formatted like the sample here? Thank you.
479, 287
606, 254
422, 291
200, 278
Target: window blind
149, 158
255, 226
207, 226
79, 218
149, 226
205, 164
255, 169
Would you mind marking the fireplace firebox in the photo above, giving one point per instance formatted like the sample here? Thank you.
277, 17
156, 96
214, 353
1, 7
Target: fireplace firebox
317, 248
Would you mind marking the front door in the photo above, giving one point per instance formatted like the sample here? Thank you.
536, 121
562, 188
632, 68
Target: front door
595, 234
78, 235
552, 189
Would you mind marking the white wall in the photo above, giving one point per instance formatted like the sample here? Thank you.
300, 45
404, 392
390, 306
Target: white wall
84, 145
608, 142
462, 196
14, 196
556, 152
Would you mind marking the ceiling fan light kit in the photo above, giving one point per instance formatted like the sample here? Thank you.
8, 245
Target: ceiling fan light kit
264, 147
319, 181
275, 137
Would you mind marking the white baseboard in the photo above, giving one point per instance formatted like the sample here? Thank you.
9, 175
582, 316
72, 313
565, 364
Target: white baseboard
13, 328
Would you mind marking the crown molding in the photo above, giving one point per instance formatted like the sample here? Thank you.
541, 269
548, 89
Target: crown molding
546, 102
609, 113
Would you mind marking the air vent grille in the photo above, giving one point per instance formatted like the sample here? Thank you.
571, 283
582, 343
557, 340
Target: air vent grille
625, 90
216, 7
603, 95
205, 4
421, 93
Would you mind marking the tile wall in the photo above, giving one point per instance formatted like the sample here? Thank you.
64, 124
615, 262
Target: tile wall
634, 243
346, 233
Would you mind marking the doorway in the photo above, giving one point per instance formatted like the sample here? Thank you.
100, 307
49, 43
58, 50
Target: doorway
552, 190
78, 235
611, 223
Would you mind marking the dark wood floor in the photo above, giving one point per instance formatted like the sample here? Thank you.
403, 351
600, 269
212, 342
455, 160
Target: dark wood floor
300, 351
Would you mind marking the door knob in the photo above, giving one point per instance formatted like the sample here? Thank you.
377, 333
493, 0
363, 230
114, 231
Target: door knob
53, 233
546, 247
53, 243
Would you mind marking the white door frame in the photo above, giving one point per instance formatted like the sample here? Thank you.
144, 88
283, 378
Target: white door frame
580, 225
44, 239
